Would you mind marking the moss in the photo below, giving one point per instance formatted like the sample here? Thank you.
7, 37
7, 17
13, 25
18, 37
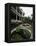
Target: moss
20, 34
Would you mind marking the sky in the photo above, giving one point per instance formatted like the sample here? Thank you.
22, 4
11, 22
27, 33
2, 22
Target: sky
28, 11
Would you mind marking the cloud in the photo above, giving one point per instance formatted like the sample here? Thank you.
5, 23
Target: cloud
27, 10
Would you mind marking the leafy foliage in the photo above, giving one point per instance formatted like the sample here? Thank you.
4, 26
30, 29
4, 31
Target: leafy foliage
26, 20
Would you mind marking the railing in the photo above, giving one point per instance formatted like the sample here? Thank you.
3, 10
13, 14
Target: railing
14, 21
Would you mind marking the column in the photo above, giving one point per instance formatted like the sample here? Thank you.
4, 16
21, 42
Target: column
16, 12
